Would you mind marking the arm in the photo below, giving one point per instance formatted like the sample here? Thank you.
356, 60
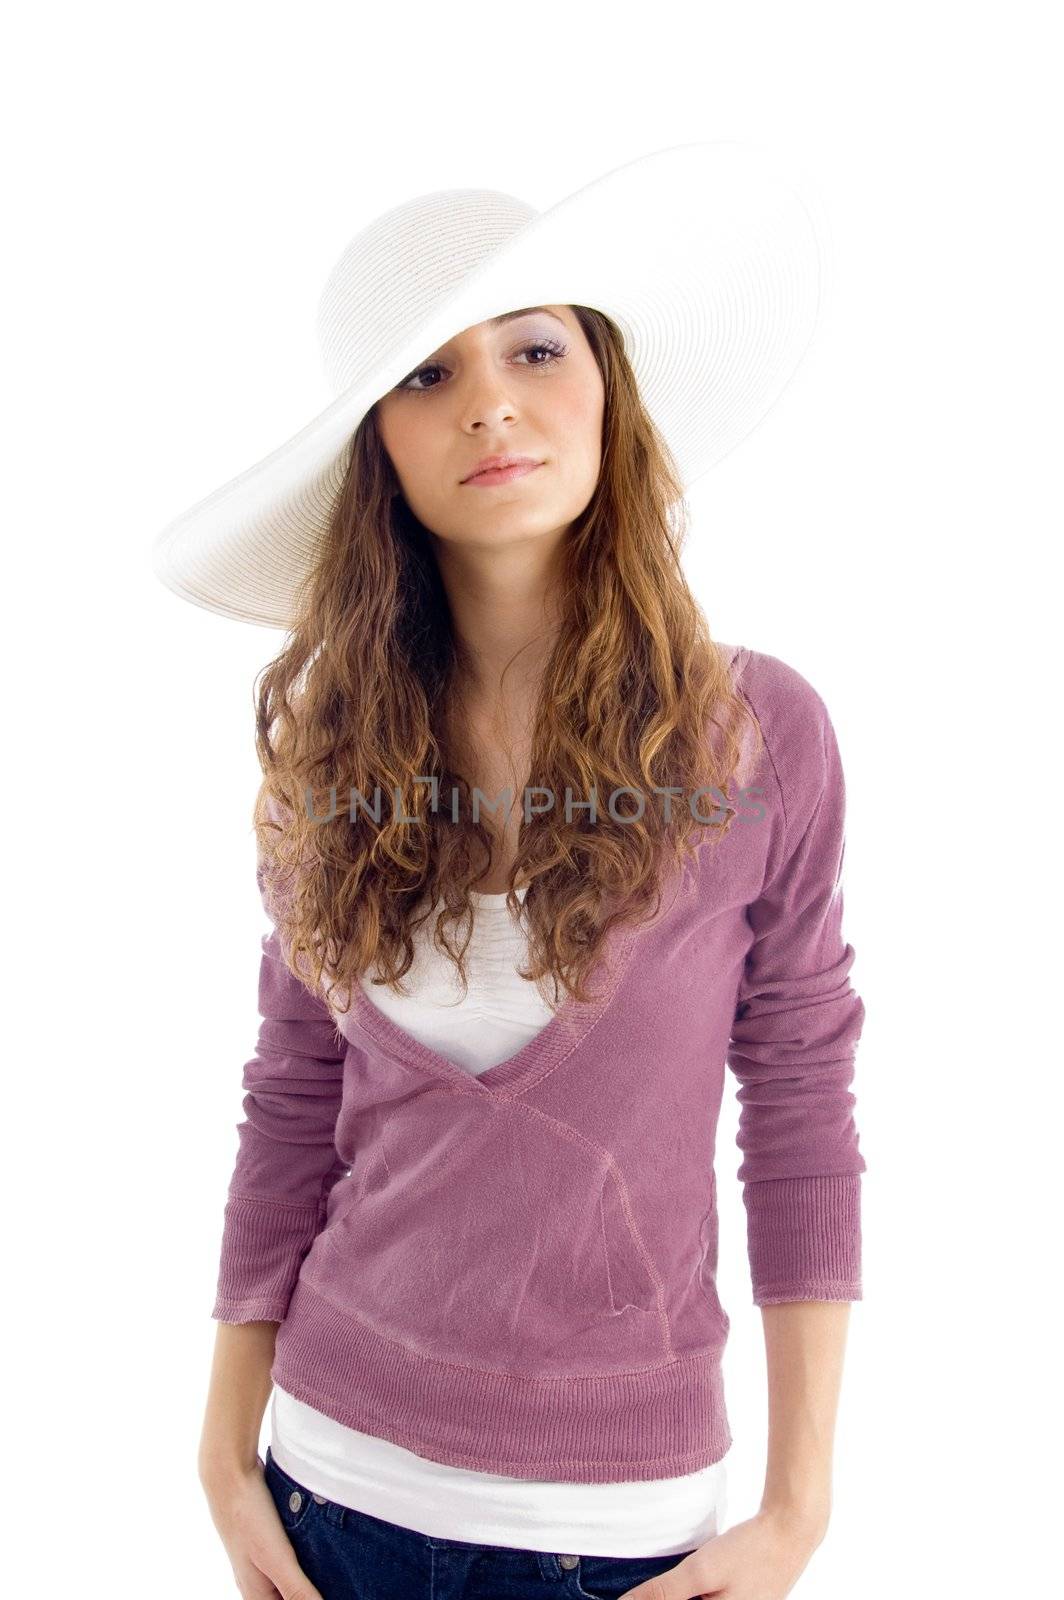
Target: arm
794, 1040
236, 1401
767, 1553
793, 1049
285, 1167
804, 1347
287, 1160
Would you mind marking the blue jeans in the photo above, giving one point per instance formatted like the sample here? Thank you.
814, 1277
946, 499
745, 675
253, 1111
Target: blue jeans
349, 1555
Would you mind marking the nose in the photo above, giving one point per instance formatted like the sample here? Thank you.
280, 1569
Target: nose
488, 402
488, 416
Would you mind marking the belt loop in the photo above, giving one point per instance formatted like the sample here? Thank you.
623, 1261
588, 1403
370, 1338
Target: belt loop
549, 1566
334, 1513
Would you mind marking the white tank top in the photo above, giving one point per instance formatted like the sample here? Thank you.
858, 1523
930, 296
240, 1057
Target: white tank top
499, 1014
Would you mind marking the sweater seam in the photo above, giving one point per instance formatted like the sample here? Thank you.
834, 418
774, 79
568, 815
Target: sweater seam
802, 1177
229, 1303
300, 1390
617, 977
282, 1205
710, 1356
770, 871
614, 1174
837, 1287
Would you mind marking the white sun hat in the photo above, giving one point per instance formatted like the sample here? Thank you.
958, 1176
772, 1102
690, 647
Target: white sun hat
712, 259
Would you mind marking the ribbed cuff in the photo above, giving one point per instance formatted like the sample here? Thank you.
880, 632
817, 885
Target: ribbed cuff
264, 1243
249, 1310
804, 1238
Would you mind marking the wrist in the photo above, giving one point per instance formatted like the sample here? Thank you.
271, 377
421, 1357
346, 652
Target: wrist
219, 1468
807, 1517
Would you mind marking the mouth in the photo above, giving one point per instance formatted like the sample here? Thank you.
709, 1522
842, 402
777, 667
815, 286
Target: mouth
506, 473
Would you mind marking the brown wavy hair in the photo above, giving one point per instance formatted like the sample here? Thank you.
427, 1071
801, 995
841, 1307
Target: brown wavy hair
634, 694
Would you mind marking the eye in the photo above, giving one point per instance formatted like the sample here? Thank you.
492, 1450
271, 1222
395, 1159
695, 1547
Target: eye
553, 351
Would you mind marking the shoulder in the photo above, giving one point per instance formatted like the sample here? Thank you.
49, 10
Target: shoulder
783, 699
799, 760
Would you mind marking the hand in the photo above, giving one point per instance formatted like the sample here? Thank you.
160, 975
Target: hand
760, 1559
264, 1563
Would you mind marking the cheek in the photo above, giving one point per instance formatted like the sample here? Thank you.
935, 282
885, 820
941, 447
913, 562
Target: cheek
390, 437
577, 422
410, 447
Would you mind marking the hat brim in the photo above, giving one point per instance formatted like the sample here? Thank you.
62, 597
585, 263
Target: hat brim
712, 261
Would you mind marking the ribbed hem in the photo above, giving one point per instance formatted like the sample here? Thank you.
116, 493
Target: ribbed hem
264, 1243
657, 1423
804, 1238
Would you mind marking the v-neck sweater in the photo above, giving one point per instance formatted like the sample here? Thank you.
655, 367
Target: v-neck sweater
479, 1027
516, 1271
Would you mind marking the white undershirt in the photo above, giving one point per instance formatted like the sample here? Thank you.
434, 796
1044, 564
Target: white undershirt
499, 1014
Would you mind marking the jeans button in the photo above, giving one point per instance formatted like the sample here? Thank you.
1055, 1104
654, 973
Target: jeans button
569, 1562
295, 1500
319, 1499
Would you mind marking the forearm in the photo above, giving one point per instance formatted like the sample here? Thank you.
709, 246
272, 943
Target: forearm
805, 1345
239, 1389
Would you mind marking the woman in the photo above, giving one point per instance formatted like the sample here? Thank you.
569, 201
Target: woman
471, 1230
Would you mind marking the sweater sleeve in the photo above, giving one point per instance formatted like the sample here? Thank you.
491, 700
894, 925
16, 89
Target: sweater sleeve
286, 1161
795, 1035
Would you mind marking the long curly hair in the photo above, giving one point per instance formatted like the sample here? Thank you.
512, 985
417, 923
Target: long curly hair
360, 706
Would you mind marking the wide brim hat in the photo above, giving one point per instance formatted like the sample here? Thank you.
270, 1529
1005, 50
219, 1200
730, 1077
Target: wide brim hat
711, 258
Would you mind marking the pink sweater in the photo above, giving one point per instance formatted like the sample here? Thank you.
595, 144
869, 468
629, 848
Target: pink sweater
515, 1272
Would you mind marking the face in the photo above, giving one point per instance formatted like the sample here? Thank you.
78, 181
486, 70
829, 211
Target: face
524, 384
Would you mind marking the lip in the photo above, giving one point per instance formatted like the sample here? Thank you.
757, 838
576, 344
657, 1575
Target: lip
501, 469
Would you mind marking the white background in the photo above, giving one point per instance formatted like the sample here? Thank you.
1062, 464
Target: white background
178, 184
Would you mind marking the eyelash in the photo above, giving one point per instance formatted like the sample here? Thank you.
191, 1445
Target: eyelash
554, 349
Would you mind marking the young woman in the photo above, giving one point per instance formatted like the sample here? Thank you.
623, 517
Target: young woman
538, 857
